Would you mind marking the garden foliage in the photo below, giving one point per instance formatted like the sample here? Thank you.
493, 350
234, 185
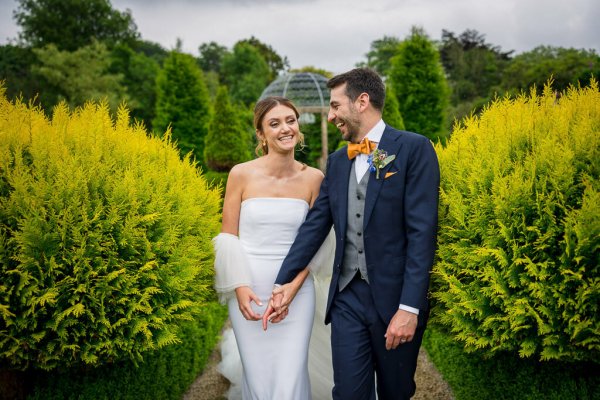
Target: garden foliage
391, 112
518, 264
182, 103
166, 374
418, 79
104, 237
226, 143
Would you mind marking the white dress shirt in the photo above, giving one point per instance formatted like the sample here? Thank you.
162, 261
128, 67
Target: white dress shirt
361, 165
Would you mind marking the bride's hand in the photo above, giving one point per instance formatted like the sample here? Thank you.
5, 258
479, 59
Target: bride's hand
245, 296
271, 315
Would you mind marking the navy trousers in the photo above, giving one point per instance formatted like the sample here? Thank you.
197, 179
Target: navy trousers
358, 349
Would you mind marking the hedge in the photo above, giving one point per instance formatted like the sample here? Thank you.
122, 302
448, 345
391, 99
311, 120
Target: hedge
105, 238
506, 376
164, 374
518, 266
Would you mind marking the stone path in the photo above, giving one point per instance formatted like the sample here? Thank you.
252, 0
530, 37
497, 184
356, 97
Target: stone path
211, 385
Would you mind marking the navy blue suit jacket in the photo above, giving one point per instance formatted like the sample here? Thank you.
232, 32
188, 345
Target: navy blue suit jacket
400, 223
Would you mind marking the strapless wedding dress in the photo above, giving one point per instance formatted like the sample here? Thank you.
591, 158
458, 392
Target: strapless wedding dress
275, 364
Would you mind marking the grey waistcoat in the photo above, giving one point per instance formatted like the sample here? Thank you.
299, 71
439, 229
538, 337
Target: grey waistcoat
354, 249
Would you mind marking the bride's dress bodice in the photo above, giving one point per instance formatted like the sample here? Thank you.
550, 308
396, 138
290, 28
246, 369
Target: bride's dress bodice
269, 225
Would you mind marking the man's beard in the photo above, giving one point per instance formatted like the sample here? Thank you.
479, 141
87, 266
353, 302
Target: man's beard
352, 126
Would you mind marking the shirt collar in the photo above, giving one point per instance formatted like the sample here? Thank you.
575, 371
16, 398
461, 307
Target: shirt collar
376, 132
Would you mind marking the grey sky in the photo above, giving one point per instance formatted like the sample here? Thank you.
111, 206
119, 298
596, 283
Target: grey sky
336, 34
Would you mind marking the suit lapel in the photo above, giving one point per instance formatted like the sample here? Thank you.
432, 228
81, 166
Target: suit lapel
344, 168
391, 144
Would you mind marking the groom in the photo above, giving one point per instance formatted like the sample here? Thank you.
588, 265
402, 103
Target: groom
383, 207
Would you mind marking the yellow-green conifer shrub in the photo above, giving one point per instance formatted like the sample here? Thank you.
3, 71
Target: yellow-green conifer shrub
104, 237
518, 260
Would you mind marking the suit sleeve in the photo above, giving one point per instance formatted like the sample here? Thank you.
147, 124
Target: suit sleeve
310, 236
421, 218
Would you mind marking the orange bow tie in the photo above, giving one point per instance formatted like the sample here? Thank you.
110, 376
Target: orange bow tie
365, 147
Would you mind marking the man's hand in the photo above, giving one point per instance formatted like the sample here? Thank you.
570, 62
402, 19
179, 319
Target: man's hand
245, 296
281, 299
401, 329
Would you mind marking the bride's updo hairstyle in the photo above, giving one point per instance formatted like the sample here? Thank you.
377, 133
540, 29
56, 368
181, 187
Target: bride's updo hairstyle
261, 109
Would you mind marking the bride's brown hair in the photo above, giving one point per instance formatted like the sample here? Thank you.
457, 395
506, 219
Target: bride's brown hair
263, 107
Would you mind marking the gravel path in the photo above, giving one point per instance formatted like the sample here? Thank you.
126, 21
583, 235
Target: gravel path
211, 385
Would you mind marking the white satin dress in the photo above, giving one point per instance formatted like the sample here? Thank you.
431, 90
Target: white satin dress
275, 362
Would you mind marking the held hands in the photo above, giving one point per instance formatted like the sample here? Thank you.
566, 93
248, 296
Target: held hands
245, 296
401, 329
280, 300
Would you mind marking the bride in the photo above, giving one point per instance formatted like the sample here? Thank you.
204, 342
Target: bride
266, 201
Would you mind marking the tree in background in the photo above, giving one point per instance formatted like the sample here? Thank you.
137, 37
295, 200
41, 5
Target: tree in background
245, 72
226, 143
211, 56
474, 67
566, 66
182, 103
139, 73
150, 49
211, 60
391, 109
474, 71
381, 53
418, 79
15, 71
71, 24
274, 61
314, 70
80, 75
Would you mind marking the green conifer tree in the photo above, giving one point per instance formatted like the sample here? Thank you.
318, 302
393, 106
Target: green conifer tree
245, 72
391, 109
227, 139
183, 103
418, 79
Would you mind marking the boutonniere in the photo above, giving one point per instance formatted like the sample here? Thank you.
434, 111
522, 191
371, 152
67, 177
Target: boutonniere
378, 160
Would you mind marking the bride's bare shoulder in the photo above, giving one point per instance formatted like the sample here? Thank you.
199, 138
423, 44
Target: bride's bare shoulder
314, 174
243, 170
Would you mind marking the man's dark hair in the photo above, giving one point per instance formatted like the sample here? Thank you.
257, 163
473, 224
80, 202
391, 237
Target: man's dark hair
361, 80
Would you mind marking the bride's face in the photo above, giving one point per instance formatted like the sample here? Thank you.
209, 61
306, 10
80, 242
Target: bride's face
280, 129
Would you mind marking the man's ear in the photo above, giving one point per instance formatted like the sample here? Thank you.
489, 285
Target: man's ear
363, 101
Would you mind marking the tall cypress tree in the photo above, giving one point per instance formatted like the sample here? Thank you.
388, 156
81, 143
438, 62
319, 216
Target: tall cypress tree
391, 109
227, 139
418, 79
183, 103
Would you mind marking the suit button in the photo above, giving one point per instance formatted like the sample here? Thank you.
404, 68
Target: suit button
359, 233
360, 251
357, 215
358, 197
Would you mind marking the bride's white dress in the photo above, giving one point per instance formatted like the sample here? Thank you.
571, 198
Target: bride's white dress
275, 364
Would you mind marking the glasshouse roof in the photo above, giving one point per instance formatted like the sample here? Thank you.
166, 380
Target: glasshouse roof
307, 90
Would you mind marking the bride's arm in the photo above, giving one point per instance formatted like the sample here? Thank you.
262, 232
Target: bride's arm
231, 265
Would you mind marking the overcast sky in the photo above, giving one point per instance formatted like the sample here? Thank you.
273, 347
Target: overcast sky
336, 34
